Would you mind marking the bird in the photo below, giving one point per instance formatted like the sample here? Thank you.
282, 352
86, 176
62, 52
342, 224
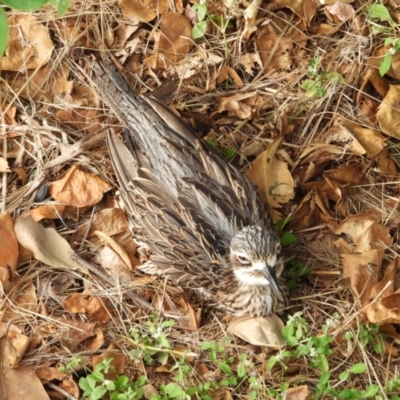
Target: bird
200, 220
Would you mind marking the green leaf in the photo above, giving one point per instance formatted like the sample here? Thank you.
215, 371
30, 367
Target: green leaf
25, 5
199, 29
3, 31
385, 64
241, 371
388, 41
167, 324
358, 368
225, 368
60, 5
344, 375
201, 11
287, 239
229, 153
379, 11
371, 391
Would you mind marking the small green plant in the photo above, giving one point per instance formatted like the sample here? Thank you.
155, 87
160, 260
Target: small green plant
316, 85
369, 335
95, 385
25, 5
203, 18
228, 154
69, 368
378, 12
297, 270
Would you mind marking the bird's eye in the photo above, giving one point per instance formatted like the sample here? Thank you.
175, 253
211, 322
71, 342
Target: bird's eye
243, 260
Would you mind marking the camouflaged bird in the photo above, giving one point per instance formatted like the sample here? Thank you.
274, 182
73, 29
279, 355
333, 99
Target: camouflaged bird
203, 221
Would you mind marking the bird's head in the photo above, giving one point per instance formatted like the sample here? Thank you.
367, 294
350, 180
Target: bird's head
253, 256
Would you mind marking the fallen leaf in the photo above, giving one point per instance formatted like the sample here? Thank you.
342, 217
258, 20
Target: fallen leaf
297, 393
80, 118
97, 309
22, 383
174, 40
389, 114
78, 188
29, 44
52, 211
46, 244
272, 179
304, 9
341, 10
259, 331
365, 232
143, 10
8, 250
362, 270
117, 364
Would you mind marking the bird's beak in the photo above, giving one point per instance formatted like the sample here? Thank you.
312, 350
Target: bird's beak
270, 275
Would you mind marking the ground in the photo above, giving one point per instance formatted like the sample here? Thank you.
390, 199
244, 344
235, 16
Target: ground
302, 96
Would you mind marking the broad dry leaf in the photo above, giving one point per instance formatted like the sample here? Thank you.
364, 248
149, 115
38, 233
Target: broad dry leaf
15, 345
369, 139
46, 244
386, 310
26, 298
22, 383
304, 9
45, 83
259, 331
341, 10
386, 165
29, 44
275, 52
8, 250
80, 118
389, 113
117, 364
174, 40
51, 211
362, 270
143, 10
96, 309
297, 393
4, 165
79, 188
365, 232
272, 179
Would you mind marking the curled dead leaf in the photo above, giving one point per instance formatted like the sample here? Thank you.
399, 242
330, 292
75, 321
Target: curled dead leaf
389, 114
259, 331
29, 44
46, 244
272, 179
79, 188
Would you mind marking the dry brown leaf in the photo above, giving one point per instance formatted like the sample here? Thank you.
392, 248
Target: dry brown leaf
174, 40
78, 188
259, 331
97, 309
117, 364
4, 165
44, 83
26, 299
304, 9
362, 270
341, 10
74, 331
29, 44
22, 383
389, 114
369, 139
275, 52
297, 393
272, 179
8, 250
82, 119
46, 244
52, 211
15, 345
143, 10
386, 165
365, 232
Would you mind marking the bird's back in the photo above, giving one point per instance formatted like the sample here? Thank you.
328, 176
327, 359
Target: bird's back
187, 198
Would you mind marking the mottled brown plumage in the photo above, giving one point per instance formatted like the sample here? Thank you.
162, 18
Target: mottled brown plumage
204, 223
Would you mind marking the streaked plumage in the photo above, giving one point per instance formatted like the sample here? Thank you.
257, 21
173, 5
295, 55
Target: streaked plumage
204, 223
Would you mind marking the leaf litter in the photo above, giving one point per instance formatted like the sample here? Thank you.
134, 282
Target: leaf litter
325, 154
